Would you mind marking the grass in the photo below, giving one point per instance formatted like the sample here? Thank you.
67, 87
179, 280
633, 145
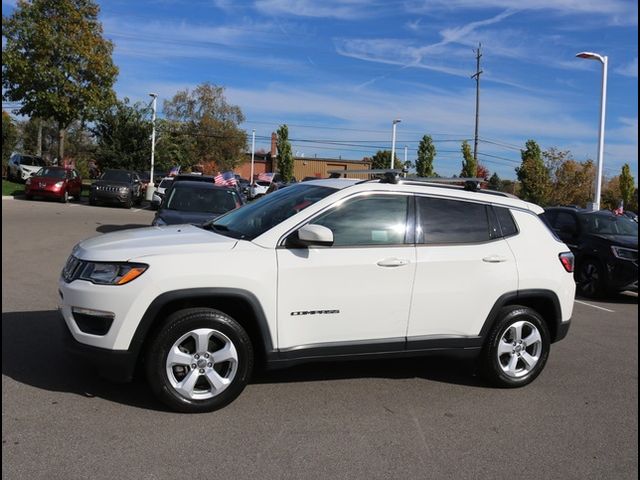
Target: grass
11, 188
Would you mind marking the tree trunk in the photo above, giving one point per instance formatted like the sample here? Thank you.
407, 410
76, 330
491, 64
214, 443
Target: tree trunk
61, 135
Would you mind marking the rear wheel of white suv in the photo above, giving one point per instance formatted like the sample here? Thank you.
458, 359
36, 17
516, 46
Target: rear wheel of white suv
200, 361
517, 347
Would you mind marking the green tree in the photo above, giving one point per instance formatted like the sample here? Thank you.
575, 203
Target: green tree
533, 175
382, 159
469, 166
56, 62
174, 145
285, 157
495, 183
9, 138
123, 136
48, 137
426, 155
627, 185
213, 123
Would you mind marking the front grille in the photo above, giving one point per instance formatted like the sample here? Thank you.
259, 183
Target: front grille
72, 269
103, 188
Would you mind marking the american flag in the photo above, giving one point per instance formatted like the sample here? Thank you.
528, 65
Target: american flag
266, 177
620, 209
174, 171
227, 179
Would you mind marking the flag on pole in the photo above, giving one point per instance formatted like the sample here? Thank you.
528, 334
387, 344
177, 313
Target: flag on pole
620, 209
227, 179
174, 171
266, 177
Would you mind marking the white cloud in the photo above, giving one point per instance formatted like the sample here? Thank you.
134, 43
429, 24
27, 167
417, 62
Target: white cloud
630, 69
340, 9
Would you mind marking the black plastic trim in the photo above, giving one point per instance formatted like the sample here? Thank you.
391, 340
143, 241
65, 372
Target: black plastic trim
514, 297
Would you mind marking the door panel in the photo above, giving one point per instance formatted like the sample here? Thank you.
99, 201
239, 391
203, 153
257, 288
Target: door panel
457, 285
342, 294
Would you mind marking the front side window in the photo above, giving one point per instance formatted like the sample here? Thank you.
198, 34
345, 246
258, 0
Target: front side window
367, 220
116, 176
444, 221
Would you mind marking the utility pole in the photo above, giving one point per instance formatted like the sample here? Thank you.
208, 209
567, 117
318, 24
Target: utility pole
151, 186
477, 77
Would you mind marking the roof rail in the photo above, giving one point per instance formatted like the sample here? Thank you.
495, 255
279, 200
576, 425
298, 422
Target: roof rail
471, 184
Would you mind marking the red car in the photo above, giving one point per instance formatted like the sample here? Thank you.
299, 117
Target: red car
54, 182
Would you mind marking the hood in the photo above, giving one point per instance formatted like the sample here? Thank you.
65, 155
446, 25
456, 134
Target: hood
46, 180
30, 168
139, 242
628, 241
111, 183
176, 217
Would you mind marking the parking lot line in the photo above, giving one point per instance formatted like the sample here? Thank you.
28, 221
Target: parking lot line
595, 306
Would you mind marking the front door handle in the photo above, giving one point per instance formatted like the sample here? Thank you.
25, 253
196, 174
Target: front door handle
393, 262
494, 259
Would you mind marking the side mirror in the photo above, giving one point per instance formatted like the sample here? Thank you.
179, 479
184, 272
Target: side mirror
314, 235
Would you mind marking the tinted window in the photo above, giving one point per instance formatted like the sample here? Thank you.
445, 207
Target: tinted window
51, 172
211, 200
507, 224
370, 220
165, 183
607, 224
452, 221
116, 176
565, 221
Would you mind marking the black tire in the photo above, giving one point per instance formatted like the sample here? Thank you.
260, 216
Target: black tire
93, 201
494, 366
179, 325
28, 196
591, 278
129, 202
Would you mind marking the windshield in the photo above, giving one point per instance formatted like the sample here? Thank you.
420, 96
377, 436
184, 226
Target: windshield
165, 183
256, 218
116, 176
194, 199
51, 173
600, 224
32, 161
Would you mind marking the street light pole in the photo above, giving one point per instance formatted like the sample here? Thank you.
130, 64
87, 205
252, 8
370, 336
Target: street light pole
604, 60
151, 186
393, 141
253, 153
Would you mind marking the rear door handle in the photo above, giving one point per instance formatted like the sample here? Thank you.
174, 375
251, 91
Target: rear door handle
494, 259
393, 262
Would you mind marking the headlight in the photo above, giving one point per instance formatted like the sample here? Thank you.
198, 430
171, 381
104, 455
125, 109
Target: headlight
625, 253
59, 184
158, 222
111, 273
123, 189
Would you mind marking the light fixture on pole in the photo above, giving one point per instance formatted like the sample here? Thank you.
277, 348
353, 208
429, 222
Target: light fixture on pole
393, 141
151, 186
603, 59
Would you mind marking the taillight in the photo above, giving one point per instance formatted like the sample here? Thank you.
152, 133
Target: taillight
568, 261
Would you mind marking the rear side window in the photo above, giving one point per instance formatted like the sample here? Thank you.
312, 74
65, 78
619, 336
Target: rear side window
444, 221
507, 224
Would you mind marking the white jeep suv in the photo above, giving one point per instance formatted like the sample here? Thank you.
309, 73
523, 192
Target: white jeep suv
322, 270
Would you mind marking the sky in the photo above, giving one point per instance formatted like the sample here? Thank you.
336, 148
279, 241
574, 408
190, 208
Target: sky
338, 72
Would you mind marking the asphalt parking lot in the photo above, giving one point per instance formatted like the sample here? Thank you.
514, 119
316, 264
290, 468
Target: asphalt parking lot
424, 418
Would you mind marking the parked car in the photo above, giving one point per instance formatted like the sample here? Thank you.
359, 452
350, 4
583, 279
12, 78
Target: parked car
196, 203
322, 270
160, 191
20, 167
58, 183
122, 187
605, 246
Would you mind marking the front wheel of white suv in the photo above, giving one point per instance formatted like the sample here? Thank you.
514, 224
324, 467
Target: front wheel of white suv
200, 361
517, 348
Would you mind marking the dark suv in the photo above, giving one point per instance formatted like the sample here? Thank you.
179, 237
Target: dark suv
121, 187
605, 246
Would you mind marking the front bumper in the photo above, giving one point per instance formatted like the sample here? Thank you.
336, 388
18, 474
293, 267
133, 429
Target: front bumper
48, 193
563, 329
110, 197
115, 365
